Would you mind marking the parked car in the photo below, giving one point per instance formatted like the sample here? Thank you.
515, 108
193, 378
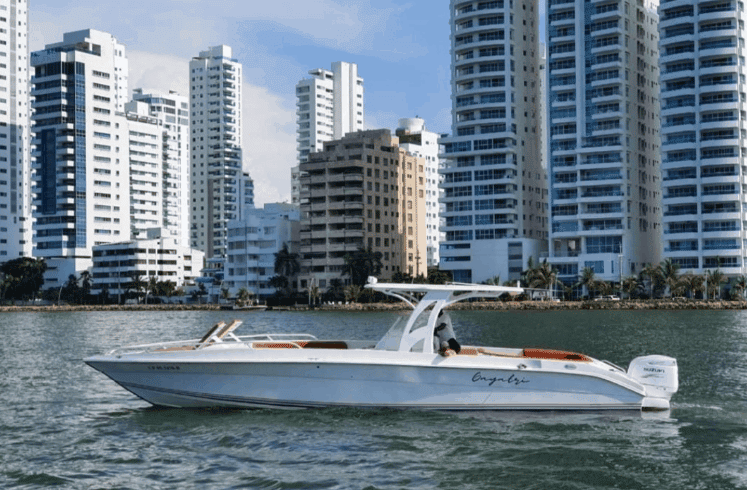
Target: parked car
608, 297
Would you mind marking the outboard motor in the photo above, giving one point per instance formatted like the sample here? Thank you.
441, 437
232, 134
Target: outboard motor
659, 375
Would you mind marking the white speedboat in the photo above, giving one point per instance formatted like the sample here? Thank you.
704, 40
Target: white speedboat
402, 370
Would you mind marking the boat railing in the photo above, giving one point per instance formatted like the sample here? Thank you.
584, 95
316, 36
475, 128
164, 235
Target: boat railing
136, 349
177, 345
276, 336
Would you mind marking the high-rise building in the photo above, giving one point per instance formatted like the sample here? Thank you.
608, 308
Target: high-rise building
704, 134
494, 186
362, 191
603, 127
329, 106
15, 167
171, 112
80, 164
415, 139
215, 115
246, 195
253, 242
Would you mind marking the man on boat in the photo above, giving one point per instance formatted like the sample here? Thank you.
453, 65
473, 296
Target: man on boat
444, 338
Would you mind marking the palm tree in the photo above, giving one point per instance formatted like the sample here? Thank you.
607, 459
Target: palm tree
493, 281
336, 290
651, 274
353, 293
740, 284
242, 296
151, 287
85, 285
588, 280
669, 273
544, 276
286, 263
137, 284
693, 283
361, 264
714, 279
314, 292
527, 276
630, 285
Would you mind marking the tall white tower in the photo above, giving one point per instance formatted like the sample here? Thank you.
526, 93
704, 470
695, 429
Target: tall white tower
171, 112
15, 168
216, 168
704, 135
494, 186
329, 106
80, 164
603, 129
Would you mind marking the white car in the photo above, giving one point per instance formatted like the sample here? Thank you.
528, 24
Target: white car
608, 297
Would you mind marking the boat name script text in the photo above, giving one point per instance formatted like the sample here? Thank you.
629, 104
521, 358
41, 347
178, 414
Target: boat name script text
511, 380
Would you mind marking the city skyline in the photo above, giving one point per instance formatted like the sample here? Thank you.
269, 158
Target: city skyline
401, 48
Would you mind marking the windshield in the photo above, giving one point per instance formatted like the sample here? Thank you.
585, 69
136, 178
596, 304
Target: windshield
390, 340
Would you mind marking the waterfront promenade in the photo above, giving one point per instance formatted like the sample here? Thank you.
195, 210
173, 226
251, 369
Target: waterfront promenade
652, 304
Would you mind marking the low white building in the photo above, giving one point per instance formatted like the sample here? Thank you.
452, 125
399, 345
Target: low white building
253, 243
116, 264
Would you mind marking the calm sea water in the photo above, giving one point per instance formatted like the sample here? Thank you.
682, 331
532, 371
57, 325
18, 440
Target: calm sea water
64, 424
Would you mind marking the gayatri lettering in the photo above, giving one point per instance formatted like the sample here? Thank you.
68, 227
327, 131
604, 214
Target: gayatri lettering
511, 380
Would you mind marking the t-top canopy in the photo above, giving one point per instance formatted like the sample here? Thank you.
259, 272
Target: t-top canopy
427, 301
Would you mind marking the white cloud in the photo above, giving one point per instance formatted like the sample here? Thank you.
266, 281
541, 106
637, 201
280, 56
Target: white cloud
269, 143
184, 28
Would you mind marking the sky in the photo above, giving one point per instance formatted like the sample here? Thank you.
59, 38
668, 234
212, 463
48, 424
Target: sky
401, 48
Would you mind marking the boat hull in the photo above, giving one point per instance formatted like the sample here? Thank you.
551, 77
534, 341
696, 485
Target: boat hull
313, 384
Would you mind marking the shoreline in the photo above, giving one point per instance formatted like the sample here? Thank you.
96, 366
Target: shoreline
656, 304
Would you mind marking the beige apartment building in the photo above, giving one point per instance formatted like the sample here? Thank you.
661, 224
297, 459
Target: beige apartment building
362, 191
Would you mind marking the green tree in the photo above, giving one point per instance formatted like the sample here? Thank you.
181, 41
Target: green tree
400, 277
493, 281
138, 285
361, 264
85, 287
243, 296
22, 278
694, 283
353, 293
437, 276
165, 288
544, 276
588, 279
336, 291
71, 291
669, 272
286, 263
740, 284
630, 286
151, 287
314, 293
714, 279
651, 276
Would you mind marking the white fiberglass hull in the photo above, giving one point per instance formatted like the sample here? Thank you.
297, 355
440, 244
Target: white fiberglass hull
365, 378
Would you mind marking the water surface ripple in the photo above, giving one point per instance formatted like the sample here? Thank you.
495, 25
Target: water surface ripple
63, 424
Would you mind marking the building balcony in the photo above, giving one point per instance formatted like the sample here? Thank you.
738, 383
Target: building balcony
719, 70
706, 35
704, 15
675, 21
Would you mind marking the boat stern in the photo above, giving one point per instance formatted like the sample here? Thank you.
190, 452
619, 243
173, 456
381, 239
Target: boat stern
659, 375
